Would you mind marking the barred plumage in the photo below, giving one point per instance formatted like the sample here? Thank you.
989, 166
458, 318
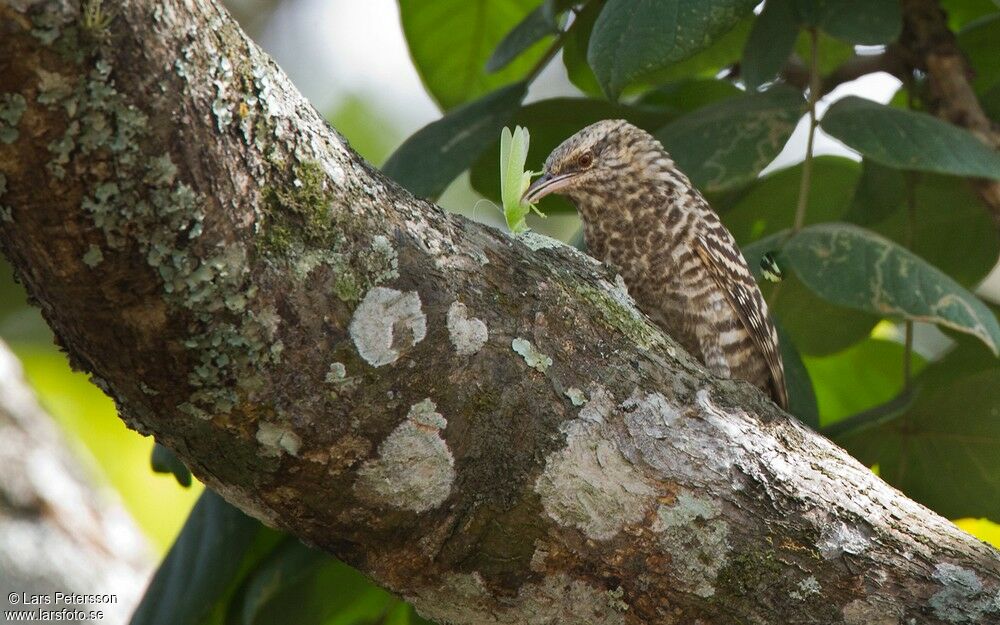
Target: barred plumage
684, 269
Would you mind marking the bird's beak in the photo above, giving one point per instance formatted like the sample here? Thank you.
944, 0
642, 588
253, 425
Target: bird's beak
545, 185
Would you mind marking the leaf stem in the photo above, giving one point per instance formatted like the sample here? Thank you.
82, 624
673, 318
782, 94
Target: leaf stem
814, 89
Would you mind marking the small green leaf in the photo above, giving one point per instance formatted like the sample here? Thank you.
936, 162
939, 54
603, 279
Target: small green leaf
909, 140
434, 155
514, 180
771, 41
867, 22
633, 38
552, 121
451, 40
728, 143
537, 25
164, 460
214, 549
854, 267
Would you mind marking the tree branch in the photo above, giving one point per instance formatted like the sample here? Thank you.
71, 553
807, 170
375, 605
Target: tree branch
484, 424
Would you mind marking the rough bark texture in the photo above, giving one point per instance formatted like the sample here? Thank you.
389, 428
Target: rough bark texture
482, 423
58, 532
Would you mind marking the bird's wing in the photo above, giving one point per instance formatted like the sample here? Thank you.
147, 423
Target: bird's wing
727, 267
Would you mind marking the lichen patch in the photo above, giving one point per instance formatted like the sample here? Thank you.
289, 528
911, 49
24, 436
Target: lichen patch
534, 358
414, 469
386, 324
694, 533
838, 538
277, 439
963, 598
589, 484
468, 334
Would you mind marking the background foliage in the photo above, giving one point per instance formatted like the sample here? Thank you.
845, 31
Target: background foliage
892, 240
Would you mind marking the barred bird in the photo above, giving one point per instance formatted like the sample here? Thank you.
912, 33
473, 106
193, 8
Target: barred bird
684, 269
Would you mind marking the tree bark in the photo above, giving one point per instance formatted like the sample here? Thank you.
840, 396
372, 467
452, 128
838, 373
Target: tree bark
482, 423
58, 532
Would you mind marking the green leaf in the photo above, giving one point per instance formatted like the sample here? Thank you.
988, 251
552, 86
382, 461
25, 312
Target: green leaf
801, 398
978, 40
434, 155
287, 565
451, 40
632, 38
216, 547
551, 122
728, 143
951, 229
771, 41
854, 267
878, 194
909, 140
685, 96
961, 12
945, 451
866, 374
832, 52
574, 51
537, 25
331, 593
164, 460
867, 22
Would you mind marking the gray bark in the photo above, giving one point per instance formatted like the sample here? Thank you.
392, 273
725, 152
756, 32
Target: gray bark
59, 533
482, 423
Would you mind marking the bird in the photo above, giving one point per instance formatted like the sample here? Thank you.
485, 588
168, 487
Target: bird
642, 216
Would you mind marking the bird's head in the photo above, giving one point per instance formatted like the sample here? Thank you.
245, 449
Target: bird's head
589, 162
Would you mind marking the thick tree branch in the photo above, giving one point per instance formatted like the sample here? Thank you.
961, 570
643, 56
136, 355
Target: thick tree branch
484, 424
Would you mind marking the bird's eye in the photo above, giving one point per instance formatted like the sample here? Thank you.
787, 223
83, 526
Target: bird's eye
585, 160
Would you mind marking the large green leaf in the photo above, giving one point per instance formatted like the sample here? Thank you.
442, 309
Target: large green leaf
434, 155
770, 43
551, 122
728, 143
214, 550
866, 374
633, 38
451, 40
832, 52
909, 140
868, 22
536, 26
961, 12
303, 586
945, 451
854, 267
950, 228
